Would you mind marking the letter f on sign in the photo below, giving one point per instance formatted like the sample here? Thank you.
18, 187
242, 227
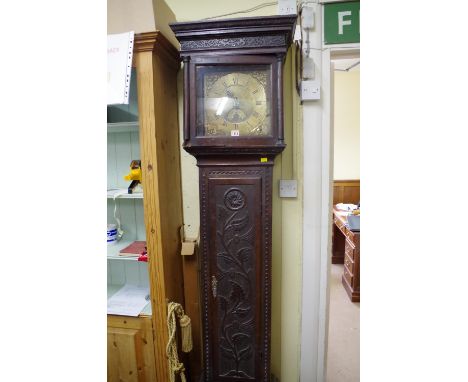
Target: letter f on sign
342, 22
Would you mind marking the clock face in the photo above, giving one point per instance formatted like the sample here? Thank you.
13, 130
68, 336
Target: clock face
235, 103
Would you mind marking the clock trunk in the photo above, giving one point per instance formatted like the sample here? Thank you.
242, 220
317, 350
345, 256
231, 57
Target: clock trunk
236, 268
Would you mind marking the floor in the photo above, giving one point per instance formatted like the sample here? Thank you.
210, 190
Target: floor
343, 332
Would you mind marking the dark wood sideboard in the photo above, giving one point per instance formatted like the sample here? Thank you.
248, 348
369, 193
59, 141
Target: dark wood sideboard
346, 250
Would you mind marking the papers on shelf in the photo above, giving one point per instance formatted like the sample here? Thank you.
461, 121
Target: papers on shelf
128, 301
346, 207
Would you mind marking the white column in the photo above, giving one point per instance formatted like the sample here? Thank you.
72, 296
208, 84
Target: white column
316, 223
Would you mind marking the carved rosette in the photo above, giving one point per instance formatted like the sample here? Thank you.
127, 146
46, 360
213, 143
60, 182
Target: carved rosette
234, 199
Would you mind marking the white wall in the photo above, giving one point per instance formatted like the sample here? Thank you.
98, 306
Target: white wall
190, 10
346, 125
124, 16
140, 16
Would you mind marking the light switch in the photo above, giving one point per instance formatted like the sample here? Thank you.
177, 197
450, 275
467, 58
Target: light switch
310, 90
288, 188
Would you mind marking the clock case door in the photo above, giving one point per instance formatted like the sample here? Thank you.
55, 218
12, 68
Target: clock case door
197, 144
236, 239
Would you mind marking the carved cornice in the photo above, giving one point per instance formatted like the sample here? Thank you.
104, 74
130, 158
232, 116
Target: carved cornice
157, 43
261, 23
273, 33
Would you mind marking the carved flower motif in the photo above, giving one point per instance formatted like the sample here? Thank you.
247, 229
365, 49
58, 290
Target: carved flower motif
234, 199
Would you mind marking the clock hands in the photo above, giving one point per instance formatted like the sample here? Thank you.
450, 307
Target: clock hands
238, 106
234, 98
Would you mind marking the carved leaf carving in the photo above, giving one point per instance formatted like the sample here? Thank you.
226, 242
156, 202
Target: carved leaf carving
244, 254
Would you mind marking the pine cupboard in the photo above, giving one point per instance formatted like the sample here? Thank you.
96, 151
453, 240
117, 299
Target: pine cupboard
130, 349
137, 345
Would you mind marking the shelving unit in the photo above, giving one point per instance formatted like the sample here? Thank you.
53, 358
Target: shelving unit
122, 127
111, 193
123, 146
137, 345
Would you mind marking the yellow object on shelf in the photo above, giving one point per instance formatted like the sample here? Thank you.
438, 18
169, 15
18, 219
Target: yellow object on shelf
134, 175
135, 171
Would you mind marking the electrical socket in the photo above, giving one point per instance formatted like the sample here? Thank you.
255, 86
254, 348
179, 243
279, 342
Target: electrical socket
287, 7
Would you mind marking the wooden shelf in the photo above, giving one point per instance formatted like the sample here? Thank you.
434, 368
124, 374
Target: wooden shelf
113, 251
123, 127
112, 192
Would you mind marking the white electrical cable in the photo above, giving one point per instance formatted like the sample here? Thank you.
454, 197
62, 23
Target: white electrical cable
120, 232
349, 68
257, 7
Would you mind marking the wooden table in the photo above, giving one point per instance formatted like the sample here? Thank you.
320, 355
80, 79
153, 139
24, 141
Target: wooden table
346, 250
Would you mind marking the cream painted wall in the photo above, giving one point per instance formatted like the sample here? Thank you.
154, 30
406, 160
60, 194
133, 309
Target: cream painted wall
346, 125
124, 16
140, 16
189, 10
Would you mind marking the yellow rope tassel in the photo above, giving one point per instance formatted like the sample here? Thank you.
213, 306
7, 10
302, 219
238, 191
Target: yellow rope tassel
186, 329
176, 367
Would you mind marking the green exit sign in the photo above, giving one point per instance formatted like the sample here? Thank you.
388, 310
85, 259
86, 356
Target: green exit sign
341, 22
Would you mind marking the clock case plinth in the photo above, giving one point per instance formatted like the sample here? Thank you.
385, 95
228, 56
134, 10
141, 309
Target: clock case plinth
235, 197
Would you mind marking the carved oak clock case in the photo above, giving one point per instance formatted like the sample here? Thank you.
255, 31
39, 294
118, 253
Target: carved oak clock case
233, 125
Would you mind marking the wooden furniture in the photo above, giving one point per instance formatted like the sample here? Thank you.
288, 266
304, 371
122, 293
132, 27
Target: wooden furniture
233, 125
137, 345
346, 249
130, 349
346, 191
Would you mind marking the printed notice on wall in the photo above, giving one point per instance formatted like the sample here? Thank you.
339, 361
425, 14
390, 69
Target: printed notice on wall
119, 67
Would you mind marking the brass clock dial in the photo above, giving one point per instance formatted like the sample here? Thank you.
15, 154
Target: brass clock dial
236, 104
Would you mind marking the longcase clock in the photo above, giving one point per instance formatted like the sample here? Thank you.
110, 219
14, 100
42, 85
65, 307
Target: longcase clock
233, 125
